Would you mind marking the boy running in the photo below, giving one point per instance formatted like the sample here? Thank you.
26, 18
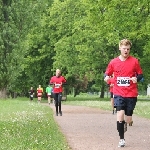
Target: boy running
58, 82
49, 92
39, 93
127, 72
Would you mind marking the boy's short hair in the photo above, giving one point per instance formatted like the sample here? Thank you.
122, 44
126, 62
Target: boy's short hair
125, 42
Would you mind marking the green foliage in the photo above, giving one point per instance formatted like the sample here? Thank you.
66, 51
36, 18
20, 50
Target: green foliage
79, 37
38, 59
94, 88
87, 33
17, 20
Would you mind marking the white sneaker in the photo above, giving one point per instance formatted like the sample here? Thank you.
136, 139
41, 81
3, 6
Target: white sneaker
121, 143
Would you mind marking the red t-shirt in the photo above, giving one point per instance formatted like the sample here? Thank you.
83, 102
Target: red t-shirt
39, 91
123, 71
57, 81
111, 84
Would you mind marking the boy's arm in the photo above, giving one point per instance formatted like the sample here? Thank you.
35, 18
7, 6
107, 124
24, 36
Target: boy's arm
51, 81
64, 82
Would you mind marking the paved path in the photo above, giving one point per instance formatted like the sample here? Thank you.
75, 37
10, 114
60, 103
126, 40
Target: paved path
88, 128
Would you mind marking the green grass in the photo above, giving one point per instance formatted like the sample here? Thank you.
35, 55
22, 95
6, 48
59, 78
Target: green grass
142, 107
28, 125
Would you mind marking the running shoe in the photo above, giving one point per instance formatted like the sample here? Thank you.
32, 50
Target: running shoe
121, 143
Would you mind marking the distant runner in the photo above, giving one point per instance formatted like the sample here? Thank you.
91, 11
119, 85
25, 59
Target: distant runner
57, 82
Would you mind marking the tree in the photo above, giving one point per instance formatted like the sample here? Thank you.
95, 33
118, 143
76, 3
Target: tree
38, 59
17, 19
80, 38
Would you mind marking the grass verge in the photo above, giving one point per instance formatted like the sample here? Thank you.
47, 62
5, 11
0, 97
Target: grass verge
28, 125
142, 107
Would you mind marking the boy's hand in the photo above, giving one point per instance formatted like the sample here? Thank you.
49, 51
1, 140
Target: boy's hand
106, 78
134, 79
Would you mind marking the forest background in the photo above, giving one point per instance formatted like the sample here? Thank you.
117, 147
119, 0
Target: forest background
79, 37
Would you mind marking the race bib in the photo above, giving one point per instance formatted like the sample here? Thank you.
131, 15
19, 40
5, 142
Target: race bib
39, 94
57, 85
123, 81
31, 95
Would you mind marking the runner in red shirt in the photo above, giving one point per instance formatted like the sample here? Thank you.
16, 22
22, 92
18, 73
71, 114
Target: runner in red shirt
39, 93
127, 72
58, 82
111, 84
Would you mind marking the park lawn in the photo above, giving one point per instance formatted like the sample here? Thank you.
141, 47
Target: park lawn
28, 125
142, 107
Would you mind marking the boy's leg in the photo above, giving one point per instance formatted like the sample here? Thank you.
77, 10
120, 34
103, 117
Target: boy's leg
56, 102
112, 102
39, 99
120, 120
121, 126
59, 101
48, 99
131, 123
30, 98
131, 103
128, 119
51, 100
112, 105
119, 103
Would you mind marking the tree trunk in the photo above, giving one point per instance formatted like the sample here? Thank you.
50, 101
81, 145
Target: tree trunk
102, 90
3, 94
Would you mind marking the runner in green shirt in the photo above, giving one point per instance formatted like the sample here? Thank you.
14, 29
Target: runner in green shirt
49, 92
